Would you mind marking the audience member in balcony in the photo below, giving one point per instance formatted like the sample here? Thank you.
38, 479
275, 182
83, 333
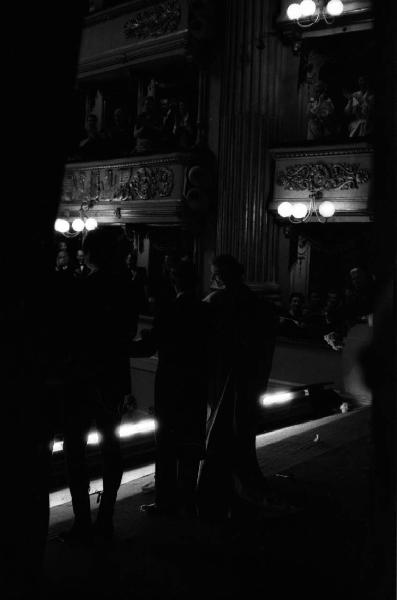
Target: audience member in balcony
183, 128
62, 265
291, 321
168, 110
322, 122
243, 330
359, 296
148, 128
98, 379
313, 315
93, 146
179, 334
119, 137
359, 109
81, 271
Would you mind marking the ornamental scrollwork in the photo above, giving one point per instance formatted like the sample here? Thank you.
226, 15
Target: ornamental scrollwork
157, 20
322, 176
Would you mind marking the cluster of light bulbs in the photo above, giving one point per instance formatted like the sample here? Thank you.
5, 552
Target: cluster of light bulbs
78, 225
308, 8
300, 211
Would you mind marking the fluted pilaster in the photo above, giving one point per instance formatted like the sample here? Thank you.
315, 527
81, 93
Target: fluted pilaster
249, 124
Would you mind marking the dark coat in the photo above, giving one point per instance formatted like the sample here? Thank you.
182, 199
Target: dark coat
105, 314
179, 335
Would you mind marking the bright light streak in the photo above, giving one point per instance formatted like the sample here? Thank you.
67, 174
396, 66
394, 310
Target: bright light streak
125, 430
130, 429
276, 398
57, 447
93, 438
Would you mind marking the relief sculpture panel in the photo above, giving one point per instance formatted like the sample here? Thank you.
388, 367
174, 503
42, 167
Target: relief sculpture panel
118, 183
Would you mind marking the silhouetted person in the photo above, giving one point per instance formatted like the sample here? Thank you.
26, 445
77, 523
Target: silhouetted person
138, 278
119, 135
92, 147
81, 270
62, 263
291, 320
359, 295
243, 331
179, 336
360, 110
148, 128
99, 378
313, 315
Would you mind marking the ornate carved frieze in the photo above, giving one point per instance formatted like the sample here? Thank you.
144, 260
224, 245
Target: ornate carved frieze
117, 183
157, 20
322, 176
144, 189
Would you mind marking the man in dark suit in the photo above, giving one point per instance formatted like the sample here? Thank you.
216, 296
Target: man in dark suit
81, 270
243, 332
179, 334
99, 378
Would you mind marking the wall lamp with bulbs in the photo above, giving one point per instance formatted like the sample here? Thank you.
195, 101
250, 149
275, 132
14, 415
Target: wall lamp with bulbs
77, 226
300, 212
310, 12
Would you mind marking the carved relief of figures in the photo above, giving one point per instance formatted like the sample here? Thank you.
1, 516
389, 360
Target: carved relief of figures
144, 183
123, 189
322, 176
157, 20
165, 181
118, 183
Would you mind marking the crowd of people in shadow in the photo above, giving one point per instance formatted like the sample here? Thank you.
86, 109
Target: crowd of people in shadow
160, 126
214, 359
327, 317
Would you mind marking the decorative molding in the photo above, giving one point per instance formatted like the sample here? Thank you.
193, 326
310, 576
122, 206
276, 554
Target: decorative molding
136, 54
322, 176
132, 211
320, 151
155, 21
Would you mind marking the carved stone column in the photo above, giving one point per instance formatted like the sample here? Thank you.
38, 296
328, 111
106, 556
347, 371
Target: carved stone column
248, 126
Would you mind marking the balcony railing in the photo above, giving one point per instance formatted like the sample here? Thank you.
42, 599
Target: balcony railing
145, 189
137, 33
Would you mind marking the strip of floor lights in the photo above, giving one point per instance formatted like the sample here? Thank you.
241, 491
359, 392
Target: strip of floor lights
125, 430
282, 397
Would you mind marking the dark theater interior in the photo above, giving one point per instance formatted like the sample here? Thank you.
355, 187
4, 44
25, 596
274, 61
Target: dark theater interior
199, 347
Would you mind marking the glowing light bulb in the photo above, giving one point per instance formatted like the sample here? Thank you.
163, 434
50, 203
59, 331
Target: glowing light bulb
78, 224
326, 209
334, 8
91, 224
294, 11
61, 225
308, 8
299, 210
284, 209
